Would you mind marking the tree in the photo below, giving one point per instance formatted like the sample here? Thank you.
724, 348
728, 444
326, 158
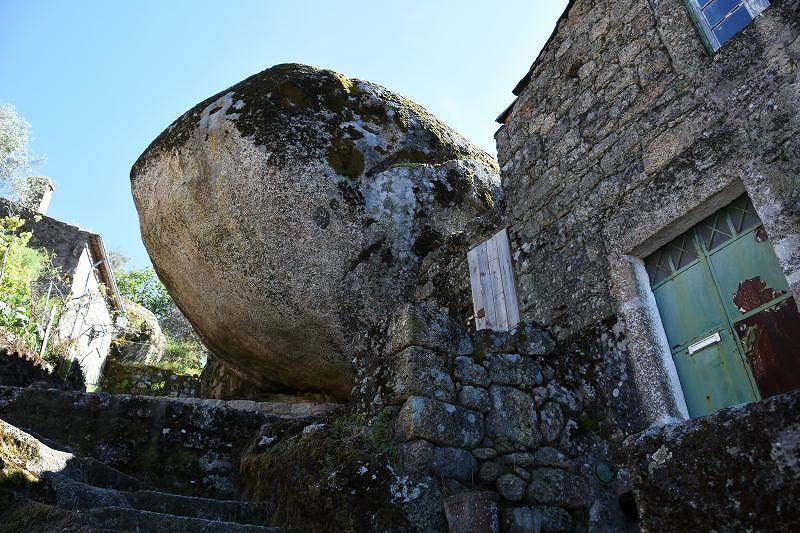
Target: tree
117, 261
16, 158
143, 287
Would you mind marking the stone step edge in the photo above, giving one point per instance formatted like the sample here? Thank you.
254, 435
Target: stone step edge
164, 522
75, 494
294, 409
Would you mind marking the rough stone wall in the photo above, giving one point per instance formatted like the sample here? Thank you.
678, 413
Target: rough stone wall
629, 132
514, 414
221, 382
64, 243
736, 470
120, 378
177, 445
25, 369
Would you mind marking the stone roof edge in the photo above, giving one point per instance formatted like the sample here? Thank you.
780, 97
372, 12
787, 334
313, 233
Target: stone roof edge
98, 250
521, 84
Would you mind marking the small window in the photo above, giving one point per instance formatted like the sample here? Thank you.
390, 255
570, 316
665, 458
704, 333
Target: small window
720, 20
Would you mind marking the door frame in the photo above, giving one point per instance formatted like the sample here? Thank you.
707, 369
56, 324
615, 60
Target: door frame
653, 372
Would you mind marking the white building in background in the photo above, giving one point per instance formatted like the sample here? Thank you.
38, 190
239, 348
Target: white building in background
92, 311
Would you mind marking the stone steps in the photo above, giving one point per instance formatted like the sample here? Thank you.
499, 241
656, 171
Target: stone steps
175, 445
135, 520
71, 494
99, 498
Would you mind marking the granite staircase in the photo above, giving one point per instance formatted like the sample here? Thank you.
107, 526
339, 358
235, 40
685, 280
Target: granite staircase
99, 462
82, 494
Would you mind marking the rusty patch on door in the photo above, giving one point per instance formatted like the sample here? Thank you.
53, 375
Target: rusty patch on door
753, 293
771, 341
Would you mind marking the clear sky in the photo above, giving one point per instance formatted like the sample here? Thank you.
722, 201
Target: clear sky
99, 80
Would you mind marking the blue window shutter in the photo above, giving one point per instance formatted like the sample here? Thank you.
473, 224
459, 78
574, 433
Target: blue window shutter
719, 20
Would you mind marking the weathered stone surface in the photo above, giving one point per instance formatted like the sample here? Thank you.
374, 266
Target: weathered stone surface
142, 340
423, 325
739, 467
474, 398
514, 369
289, 214
555, 520
556, 487
512, 421
415, 457
517, 459
511, 487
473, 512
453, 463
423, 458
551, 421
520, 520
484, 453
438, 422
421, 372
489, 471
546, 456
468, 371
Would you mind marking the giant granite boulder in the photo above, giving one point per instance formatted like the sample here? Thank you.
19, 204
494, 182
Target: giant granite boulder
288, 214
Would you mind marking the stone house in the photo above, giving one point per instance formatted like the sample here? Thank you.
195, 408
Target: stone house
92, 305
651, 173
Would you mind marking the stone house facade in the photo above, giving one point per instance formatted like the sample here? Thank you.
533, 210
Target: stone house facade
635, 151
625, 134
92, 305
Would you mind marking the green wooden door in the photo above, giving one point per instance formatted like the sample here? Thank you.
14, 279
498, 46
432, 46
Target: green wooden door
732, 326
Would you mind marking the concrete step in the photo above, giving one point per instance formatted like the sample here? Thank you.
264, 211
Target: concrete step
135, 520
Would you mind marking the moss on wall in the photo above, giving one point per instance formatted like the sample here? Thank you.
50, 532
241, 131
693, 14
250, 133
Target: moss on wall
341, 469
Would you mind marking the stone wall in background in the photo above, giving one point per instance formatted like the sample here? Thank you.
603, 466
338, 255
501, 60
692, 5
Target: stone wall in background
221, 382
145, 380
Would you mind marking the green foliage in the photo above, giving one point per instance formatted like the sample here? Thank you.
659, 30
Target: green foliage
184, 357
143, 287
21, 309
16, 159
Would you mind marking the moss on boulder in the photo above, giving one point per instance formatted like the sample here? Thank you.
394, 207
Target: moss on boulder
290, 213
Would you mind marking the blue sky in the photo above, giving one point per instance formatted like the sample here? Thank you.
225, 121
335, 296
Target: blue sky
99, 80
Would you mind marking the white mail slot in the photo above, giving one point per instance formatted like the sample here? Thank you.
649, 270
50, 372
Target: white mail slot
708, 341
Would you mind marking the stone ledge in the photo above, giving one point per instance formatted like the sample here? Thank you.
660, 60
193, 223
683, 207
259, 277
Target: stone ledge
739, 467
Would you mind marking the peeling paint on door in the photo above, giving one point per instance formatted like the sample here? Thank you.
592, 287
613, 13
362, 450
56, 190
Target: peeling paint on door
771, 341
753, 293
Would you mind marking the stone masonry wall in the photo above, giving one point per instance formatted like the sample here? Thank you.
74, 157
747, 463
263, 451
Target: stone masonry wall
626, 116
514, 414
144, 380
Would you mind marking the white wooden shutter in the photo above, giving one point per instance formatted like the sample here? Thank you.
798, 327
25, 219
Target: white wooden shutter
494, 295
